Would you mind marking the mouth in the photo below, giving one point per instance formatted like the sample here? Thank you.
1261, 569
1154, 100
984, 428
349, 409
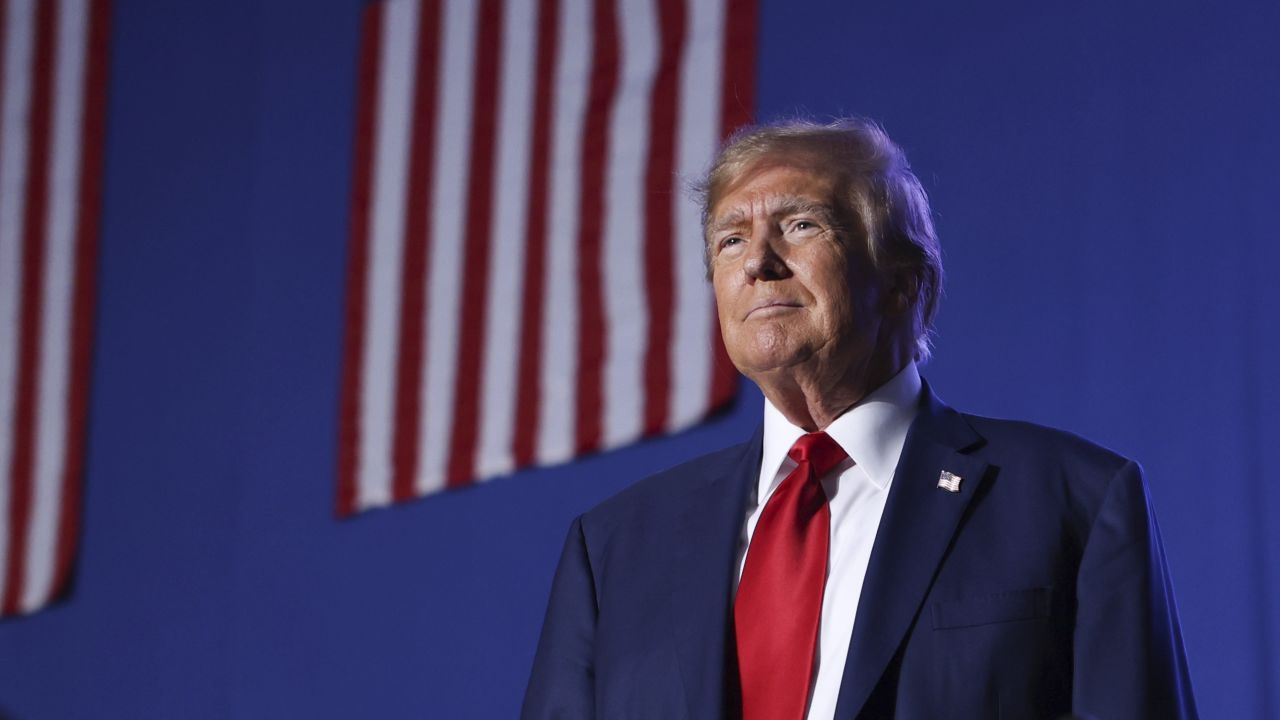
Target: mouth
771, 308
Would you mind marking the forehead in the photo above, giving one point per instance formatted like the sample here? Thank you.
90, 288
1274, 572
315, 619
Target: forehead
772, 185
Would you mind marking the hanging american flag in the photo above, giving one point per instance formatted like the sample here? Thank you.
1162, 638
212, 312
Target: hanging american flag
52, 66
525, 282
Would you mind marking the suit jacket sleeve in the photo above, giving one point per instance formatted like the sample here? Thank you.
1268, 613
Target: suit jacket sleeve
1129, 660
563, 679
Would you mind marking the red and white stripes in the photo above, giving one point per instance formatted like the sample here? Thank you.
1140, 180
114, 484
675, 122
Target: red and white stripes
52, 66
525, 281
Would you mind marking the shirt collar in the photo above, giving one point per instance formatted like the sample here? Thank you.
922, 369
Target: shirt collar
871, 432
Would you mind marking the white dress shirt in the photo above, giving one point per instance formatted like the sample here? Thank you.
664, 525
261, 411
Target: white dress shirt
872, 433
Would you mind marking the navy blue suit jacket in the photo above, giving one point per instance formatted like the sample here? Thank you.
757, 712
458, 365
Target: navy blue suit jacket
1039, 589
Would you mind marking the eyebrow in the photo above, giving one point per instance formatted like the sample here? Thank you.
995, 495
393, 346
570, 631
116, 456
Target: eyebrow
783, 207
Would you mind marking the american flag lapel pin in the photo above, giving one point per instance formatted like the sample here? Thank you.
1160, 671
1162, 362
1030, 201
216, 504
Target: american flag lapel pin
949, 481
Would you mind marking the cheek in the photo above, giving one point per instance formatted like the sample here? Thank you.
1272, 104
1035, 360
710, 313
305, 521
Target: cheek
723, 301
837, 298
851, 308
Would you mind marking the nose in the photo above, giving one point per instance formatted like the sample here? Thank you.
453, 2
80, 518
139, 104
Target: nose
763, 261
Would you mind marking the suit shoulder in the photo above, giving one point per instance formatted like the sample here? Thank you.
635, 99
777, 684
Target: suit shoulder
1040, 444
1056, 471
659, 492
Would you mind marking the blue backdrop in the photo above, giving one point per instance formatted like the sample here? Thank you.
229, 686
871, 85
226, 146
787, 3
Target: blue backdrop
1104, 175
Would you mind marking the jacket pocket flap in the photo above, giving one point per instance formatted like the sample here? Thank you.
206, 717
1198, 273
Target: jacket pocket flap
1001, 607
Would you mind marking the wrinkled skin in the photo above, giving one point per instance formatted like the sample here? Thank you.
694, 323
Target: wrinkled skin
802, 311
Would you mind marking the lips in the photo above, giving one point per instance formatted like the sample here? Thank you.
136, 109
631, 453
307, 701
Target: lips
769, 308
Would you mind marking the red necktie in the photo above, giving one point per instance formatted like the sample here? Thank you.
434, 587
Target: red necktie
779, 601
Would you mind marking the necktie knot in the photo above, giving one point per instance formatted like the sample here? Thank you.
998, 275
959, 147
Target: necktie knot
819, 451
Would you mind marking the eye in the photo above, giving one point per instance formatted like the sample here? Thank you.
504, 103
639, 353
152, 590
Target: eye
730, 240
803, 226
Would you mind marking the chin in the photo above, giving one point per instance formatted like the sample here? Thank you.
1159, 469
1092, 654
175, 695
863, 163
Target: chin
763, 363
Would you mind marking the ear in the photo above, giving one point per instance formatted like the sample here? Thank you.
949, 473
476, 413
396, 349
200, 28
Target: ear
902, 294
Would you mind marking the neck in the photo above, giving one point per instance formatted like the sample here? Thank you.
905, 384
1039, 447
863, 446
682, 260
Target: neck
812, 400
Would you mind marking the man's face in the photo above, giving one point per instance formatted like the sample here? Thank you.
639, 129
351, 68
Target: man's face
792, 286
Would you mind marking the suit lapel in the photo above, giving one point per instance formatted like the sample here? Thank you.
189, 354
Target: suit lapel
915, 531
706, 535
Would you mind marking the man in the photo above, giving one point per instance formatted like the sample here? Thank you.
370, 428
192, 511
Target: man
870, 552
